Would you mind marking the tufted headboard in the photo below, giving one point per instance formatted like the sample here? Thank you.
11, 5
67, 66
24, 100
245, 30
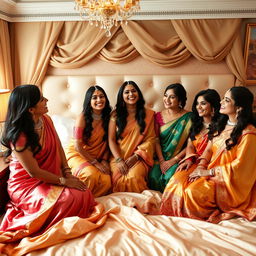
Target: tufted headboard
66, 93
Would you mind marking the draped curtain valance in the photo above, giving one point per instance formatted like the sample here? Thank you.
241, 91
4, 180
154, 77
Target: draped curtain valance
166, 43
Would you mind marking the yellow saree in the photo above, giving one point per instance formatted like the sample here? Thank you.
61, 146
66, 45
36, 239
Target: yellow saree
98, 182
141, 144
231, 192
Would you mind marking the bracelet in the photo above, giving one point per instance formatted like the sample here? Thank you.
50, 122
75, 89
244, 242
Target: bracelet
137, 156
65, 168
118, 159
177, 159
201, 165
212, 172
94, 161
203, 158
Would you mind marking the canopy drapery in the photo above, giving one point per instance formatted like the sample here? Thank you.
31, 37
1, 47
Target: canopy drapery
72, 44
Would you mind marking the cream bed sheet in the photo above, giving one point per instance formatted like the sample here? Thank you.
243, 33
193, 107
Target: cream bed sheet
129, 232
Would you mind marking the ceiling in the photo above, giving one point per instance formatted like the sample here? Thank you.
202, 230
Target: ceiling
56, 10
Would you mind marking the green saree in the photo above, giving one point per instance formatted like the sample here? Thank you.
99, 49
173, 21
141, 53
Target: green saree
173, 137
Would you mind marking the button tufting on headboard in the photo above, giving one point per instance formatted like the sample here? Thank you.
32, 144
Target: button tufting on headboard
66, 93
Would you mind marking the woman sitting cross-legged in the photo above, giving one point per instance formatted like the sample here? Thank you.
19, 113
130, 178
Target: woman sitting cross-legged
88, 152
172, 129
131, 140
42, 190
205, 112
224, 183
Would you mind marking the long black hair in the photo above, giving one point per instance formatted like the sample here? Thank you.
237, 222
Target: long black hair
213, 98
19, 119
180, 93
121, 110
243, 98
87, 113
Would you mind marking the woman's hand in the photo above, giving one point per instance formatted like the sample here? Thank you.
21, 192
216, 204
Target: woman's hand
199, 172
165, 165
74, 182
132, 160
123, 167
103, 166
184, 166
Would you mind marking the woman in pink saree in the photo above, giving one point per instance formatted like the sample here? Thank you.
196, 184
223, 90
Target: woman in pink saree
42, 190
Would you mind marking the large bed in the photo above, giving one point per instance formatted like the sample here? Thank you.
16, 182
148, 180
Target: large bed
126, 228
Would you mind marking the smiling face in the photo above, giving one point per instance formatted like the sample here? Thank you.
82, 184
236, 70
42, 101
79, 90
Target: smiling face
228, 105
130, 95
203, 107
98, 101
40, 108
170, 100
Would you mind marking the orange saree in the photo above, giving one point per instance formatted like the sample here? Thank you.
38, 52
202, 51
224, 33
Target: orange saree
231, 192
98, 182
141, 144
36, 208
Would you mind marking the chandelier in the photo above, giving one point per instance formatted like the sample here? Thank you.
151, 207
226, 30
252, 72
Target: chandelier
107, 13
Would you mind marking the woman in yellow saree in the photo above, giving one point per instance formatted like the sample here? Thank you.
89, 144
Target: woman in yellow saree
205, 112
224, 183
172, 129
88, 152
41, 188
131, 140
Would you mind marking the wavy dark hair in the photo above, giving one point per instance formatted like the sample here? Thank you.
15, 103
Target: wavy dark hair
213, 98
87, 113
121, 110
243, 98
179, 91
19, 119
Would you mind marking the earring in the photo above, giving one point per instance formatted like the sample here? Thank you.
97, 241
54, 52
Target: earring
212, 113
237, 113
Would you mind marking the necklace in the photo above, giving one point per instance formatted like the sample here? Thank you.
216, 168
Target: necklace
96, 116
38, 125
231, 123
206, 125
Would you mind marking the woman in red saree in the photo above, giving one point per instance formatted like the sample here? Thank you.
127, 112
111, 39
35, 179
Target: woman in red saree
42, 190
224, 183
88, 152
131, 140
205, 110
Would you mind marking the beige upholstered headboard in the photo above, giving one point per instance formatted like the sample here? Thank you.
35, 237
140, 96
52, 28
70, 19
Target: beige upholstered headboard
66, 93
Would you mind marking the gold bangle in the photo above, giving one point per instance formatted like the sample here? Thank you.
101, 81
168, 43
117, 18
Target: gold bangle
94, 161
177, 159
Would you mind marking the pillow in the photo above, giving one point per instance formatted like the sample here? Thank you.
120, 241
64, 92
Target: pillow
64, 127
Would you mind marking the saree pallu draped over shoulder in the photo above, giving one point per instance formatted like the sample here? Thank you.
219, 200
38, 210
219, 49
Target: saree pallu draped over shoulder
98, 182
173, 136
36, 215
231, 192
143, 145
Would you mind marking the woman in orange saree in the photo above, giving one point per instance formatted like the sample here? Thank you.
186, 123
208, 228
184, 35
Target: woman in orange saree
88, 152
224, 183
205, 110
41, 188
131, 140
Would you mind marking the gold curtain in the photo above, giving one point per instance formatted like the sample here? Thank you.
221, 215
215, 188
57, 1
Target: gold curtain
32, 46
157, 41
165, 43
213, 40
78, 43
6, 80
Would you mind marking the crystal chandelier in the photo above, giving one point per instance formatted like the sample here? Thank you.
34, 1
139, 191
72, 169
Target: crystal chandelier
107, 13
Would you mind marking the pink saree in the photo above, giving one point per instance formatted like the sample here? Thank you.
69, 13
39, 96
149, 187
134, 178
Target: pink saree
36, 206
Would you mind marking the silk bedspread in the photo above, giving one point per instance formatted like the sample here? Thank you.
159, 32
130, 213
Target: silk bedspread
129, 232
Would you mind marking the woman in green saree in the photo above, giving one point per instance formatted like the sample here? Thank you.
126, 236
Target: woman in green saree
172, 127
